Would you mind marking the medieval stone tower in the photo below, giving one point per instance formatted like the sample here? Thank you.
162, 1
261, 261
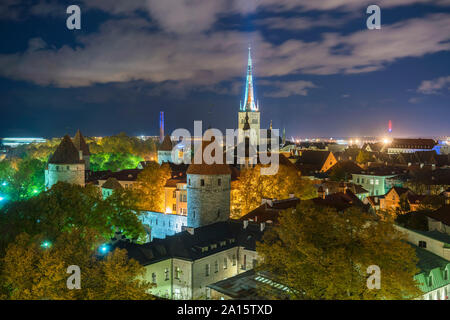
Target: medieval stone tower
81, 145
249, 108
66, 165
165, 150
208, 193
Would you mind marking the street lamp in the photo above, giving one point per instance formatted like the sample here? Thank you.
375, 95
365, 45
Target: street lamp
46, 244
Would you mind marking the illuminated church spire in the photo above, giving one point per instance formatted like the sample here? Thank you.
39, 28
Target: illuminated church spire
249, 99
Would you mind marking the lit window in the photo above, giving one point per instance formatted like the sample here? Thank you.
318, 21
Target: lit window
207, 269
371, 181
225, 263
174, 195
216, 266
234, 260
166, 273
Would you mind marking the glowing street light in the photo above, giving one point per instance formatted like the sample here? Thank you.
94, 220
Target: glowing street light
386, 141
4, 183
1, 199
46, 244
104, 248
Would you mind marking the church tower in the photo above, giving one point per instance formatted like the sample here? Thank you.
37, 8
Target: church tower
249, 108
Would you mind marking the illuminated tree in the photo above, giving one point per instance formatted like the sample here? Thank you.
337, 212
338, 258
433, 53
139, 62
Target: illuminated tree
364, 157
322, 254
32, 271
67, 206
149, 188
252, 187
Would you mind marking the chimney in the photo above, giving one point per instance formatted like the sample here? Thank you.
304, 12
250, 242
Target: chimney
262, 225
245, 224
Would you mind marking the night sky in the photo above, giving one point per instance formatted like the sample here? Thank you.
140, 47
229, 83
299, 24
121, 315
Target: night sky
318, 70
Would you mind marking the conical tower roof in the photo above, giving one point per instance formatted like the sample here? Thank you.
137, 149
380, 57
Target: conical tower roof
66, 153
166, 145
208, 169
81, 144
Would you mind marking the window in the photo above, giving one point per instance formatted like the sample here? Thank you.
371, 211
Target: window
376, 181
445, 274
177, 272
219, 182
207, 269
216, 266
422, 244
218, 213
174, 207
225, 263
357, 180
244, 264
362, 180
189, 181
153, 277
166, 273
234, 260
376, 192
371, 181
174, 195
202, 182
254, 263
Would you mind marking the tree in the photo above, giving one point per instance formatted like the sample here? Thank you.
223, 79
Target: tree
67, 206
114, 161
150, 186
322, 254
364, 157
252, 187
31, 271
21, 179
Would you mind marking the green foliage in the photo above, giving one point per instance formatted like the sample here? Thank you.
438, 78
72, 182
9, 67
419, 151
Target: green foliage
322, 254
413, 220
22, 178
67, 206
124, 144
114, 161
34, 273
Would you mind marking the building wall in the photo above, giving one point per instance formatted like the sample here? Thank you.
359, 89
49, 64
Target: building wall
170, 199
163, 225
163, 285
201, 280
376, 185
209, 203
432, 245
438, 225
70, 173
438, 294
331, 161
164, 156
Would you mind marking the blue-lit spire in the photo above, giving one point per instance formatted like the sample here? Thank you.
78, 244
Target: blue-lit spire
249, 99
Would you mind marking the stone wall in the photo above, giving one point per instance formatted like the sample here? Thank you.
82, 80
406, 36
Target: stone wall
209, 203
70, 173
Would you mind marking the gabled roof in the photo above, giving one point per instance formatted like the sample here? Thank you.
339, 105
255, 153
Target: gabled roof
347, 166
271, 210
313, 157
66, 153
413, 143
442, 214
112, 184
166, 145
184, 245
81, 144
123, 175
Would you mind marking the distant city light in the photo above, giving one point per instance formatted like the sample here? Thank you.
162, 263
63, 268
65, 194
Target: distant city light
104, 248
357, 141
46, 244
386, 141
